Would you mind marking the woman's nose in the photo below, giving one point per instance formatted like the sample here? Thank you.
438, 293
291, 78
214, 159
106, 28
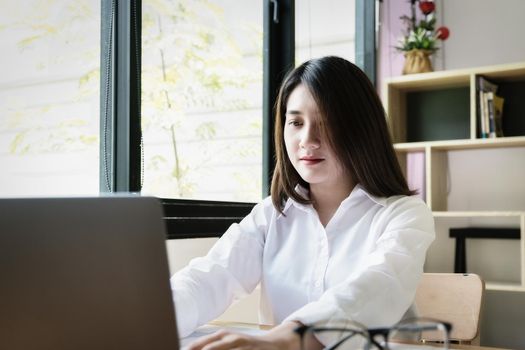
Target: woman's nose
310, 138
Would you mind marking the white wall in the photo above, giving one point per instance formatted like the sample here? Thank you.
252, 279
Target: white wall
483, 32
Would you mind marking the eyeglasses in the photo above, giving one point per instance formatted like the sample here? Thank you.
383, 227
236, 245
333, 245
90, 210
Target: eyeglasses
403, 335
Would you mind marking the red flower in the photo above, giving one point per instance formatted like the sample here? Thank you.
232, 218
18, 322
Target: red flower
427, 7
442, 33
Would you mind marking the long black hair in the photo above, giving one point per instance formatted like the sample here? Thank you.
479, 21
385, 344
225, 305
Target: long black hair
354, 120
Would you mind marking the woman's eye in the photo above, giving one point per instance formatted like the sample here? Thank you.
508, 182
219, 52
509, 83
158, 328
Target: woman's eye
294, 123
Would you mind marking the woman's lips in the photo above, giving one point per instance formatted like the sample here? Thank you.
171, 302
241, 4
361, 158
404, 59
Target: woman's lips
311, 160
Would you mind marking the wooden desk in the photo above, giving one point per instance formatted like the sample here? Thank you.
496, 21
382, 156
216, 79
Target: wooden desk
228, 324
473, 347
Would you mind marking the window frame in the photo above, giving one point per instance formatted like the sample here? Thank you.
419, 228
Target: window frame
120, 68
365, 37
121, 147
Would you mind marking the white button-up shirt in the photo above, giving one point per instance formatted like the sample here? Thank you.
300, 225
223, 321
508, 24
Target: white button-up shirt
364, 265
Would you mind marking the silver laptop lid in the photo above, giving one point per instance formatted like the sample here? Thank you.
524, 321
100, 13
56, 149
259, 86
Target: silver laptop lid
84, 273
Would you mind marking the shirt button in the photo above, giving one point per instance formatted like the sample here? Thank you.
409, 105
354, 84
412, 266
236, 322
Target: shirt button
318, 284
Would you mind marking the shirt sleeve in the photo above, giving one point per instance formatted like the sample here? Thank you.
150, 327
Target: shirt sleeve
383, 288
205, 288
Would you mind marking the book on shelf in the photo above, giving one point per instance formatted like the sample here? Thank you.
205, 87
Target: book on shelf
485, 114
498, 115
484, 86
493, 110
489, 108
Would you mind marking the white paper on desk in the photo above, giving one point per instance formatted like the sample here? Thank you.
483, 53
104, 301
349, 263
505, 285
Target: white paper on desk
209, 329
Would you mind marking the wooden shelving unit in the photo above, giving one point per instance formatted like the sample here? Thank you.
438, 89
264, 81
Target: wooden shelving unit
435, 114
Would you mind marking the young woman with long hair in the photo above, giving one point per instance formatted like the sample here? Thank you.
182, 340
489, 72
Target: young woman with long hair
340, 238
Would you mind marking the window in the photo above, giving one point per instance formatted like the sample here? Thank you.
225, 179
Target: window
209, 73
49, 97
321, 31
202, 80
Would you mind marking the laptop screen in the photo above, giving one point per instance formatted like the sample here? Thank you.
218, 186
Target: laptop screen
84, 273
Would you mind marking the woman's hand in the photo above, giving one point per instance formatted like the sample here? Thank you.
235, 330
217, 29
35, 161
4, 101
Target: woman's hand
228, 340
280, 337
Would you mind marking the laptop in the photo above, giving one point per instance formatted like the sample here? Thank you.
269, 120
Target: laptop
84, 273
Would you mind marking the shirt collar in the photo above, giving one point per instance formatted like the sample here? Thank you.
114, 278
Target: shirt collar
357, 192
358, 189
290, 201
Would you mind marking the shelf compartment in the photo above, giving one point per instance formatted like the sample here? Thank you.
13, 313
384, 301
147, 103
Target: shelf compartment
438, 115
464, 234
513, 116
512, 90
499, 262
450, 164
428, 107
485, 179
442, 105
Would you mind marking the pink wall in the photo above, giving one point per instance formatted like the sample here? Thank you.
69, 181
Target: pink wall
389, 60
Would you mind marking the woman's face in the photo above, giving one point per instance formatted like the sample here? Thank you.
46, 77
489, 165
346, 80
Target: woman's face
307, 148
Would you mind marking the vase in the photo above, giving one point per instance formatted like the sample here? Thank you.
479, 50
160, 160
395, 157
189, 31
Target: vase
417, 61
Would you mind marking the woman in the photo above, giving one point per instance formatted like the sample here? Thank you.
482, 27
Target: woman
339, 238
